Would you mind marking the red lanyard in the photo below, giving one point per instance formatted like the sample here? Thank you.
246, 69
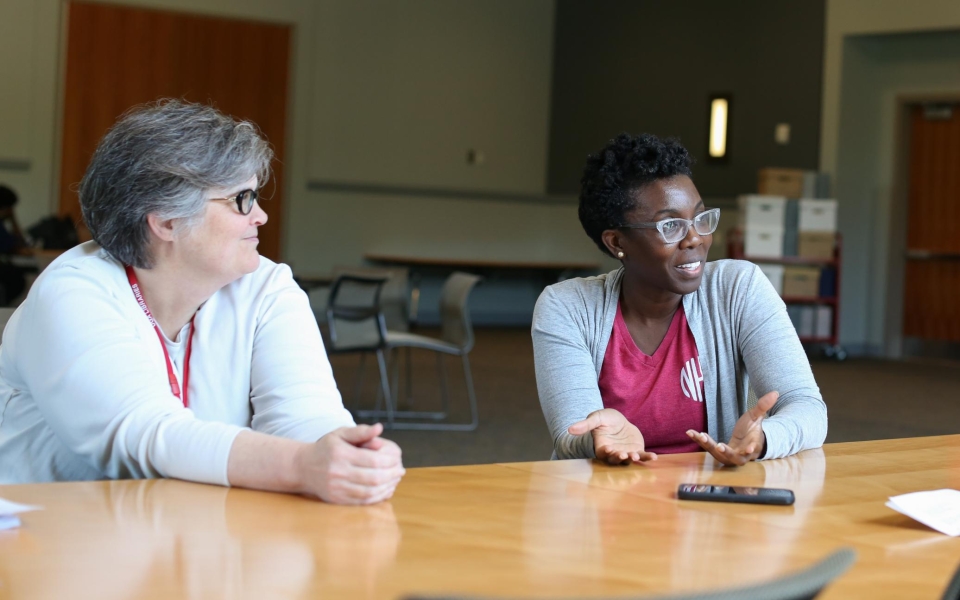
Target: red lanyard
174, 385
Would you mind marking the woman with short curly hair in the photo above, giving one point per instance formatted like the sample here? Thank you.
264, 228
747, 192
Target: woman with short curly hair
659, 355
168, 347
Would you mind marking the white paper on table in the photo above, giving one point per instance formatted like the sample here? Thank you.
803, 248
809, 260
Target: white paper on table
937, 509
10, 510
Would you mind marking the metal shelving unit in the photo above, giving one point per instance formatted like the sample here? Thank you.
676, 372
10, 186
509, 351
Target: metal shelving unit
831, 344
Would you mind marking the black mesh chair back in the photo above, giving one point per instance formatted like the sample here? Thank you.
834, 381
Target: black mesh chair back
353, 314
953, 588
395, 295
805, 585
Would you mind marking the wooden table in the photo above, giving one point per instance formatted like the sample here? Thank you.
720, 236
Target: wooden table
544, 529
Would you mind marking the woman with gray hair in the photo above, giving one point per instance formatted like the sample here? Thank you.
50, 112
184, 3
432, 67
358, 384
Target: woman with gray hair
168, 347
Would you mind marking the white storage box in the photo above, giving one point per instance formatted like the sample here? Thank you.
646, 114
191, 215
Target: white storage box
766, 212
818, 215
763, 242
775, 274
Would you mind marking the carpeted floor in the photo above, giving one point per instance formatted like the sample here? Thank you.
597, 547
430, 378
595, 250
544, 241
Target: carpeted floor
867, 399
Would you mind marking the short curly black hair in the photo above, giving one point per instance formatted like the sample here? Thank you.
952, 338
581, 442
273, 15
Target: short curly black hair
623, 166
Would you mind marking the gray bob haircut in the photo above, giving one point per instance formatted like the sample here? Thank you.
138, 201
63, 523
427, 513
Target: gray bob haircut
162, 158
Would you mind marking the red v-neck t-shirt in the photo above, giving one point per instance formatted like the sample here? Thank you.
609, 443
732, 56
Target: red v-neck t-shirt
661, 394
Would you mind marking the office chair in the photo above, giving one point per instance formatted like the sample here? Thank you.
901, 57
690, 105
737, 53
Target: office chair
398, 303
356, 325
396, 300
456, 340
395, 295
805, 585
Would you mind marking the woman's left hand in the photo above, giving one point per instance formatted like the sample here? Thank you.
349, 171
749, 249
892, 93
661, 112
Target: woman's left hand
747, 441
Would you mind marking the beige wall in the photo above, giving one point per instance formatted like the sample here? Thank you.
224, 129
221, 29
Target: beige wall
384, 92
29, 53
400, 92
402, 89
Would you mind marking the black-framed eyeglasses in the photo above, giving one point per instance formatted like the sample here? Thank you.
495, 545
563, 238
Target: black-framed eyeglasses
245, 200
675, 229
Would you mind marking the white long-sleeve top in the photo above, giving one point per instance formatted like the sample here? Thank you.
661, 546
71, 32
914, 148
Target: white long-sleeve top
84, 392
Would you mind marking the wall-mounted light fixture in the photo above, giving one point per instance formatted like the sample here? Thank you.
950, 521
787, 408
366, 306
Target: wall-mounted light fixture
718, 123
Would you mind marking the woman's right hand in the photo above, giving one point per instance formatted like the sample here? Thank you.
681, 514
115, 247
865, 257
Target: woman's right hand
351, 465
615, 439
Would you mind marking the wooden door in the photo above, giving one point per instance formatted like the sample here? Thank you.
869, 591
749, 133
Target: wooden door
931, 307
120, 56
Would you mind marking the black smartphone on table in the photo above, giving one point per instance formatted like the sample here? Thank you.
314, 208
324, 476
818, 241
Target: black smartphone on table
734, 493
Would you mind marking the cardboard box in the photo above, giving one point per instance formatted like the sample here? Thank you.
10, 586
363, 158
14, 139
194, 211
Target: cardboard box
818, 215
801, 282
781, 182
816, 244
763, 243
766, 212
775, 274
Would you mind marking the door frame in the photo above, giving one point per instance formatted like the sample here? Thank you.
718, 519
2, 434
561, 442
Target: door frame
899, 201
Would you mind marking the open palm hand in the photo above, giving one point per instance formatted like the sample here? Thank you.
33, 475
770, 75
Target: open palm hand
747, 441
615, 439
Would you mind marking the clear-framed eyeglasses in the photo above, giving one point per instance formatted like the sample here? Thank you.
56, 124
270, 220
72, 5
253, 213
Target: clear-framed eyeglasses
675, 229
245, 200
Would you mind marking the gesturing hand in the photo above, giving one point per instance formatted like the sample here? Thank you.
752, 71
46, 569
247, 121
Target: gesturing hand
352, 465
747, 441
615, 439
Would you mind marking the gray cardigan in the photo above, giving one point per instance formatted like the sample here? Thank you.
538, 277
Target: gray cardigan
741, 327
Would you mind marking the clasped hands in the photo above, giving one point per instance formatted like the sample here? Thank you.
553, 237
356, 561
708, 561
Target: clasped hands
352, 465
618, 441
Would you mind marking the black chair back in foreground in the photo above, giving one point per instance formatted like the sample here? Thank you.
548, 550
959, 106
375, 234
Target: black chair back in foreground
805, 585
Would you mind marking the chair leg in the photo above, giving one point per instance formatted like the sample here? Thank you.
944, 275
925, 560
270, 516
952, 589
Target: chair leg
472, 394
393, 359
385, 385
391, 392
358, 386
444, 389
378, 412
376, 404
474, 415
409, 381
